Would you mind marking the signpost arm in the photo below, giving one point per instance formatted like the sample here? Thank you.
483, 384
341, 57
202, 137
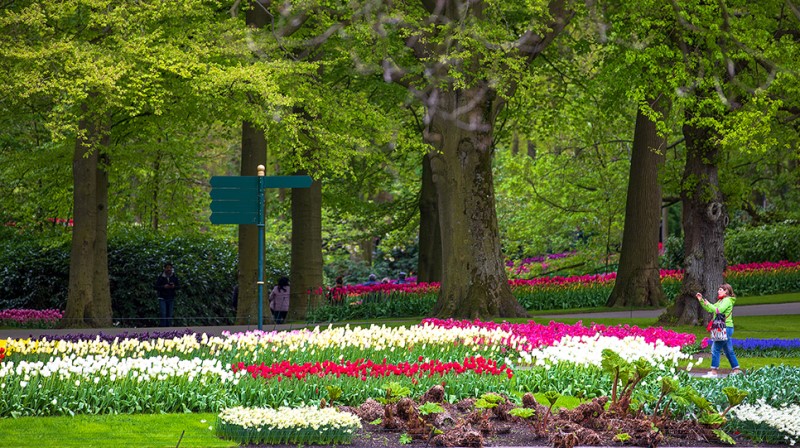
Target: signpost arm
261, 172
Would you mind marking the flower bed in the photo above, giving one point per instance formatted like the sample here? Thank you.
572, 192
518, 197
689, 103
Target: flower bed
765, 423
24, 318
296, 426
183, 371
545, 293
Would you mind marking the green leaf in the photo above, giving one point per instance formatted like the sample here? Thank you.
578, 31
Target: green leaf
551, 396
522, 412
735, 396
622, 437
724, 437
430, 408
711, 419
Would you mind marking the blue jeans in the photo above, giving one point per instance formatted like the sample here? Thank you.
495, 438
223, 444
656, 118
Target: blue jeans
166, 308
727, 347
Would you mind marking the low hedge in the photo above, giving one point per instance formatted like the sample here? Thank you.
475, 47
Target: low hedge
772, 242
35, 274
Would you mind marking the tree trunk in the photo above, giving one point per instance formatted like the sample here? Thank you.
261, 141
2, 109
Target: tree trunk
99, 312
84, 230
306, 264
429, 264
254, 153
704, 220
474, 282
638, 281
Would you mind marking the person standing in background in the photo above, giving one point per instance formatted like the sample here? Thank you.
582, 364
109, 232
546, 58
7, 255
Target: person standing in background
166, 285
279, 300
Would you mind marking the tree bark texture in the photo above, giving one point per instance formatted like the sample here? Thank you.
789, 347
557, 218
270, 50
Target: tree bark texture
704, 220
460, 130
88, 267
306, 264
99, 312
429, 263
254, 153
638, 281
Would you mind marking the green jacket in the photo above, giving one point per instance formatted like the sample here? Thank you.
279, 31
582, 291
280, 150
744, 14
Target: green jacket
725, 306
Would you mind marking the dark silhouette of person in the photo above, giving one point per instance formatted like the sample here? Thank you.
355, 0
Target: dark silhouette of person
166, 285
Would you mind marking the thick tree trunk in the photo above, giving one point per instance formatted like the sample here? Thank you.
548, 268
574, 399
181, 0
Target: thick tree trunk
99, 312
254, 153
704, 220
306, 264
429, 263
474, 282
638, 282
84, 230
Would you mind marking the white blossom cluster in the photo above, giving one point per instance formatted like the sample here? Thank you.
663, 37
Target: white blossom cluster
785, 419
587, 351
373, 338
95, 368
290, 418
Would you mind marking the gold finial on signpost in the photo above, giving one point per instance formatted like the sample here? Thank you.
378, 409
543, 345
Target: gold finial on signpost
261, 170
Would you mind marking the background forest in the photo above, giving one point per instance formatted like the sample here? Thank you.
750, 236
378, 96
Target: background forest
445, 140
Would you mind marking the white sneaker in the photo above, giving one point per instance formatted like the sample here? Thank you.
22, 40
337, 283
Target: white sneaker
735, 372
710, 375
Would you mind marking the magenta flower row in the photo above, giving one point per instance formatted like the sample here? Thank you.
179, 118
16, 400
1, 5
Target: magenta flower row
22, 316
538, 335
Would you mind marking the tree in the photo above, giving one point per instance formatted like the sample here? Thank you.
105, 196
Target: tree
638, 279
467, 68
96, 69
730, 68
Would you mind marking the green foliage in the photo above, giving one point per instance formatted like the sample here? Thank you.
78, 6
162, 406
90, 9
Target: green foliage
673, 253
334, 393
522, 412
622, 437
394, 391
430, 408
723, 436
735, 396
773, 242
36, 273
405, 439
551, 396
711, 419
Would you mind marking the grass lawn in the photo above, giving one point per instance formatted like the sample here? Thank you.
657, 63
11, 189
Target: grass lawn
753, 300
762, 327
112, 431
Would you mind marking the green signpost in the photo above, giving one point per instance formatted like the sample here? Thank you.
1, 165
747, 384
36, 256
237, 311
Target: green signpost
240, 200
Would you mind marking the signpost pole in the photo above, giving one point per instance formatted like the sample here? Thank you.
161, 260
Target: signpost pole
261, 172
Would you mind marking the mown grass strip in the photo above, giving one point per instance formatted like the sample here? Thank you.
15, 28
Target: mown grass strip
112, 431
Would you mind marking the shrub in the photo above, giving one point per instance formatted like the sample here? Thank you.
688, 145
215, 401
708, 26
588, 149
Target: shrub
35, 272
773, 242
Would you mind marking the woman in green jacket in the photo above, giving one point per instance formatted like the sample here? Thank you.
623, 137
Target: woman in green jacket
725, 300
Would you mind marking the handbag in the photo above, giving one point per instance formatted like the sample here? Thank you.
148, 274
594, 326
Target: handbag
717, 328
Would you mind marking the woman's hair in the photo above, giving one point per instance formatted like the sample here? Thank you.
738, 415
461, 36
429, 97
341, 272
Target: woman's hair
728, 289
283, 282
339, 280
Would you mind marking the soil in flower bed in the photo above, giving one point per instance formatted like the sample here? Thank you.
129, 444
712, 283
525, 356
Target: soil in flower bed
465, 425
